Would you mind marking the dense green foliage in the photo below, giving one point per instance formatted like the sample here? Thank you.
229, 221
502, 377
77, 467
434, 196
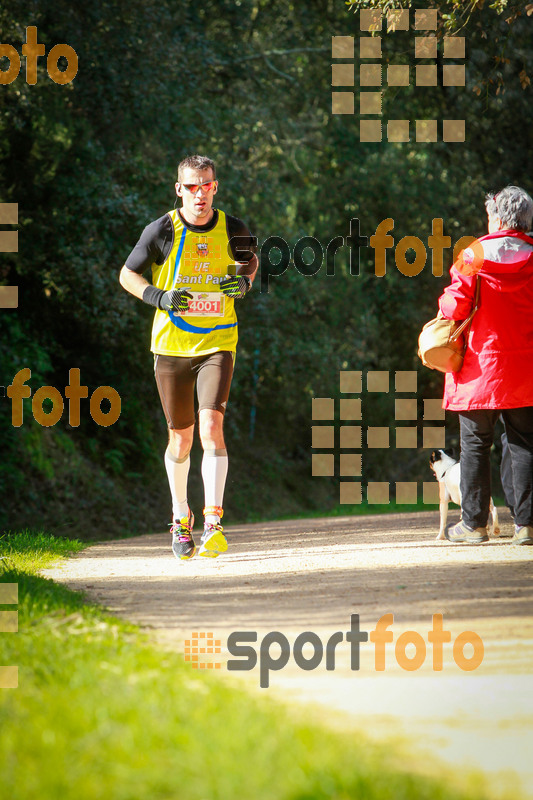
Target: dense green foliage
100, 713
249, 83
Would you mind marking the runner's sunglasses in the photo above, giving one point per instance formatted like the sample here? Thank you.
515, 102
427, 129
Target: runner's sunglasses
193, 187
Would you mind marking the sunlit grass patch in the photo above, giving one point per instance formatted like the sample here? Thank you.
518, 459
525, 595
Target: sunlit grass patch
29, 551
99, 713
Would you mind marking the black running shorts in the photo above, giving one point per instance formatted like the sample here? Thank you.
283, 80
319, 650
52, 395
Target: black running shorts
176, 376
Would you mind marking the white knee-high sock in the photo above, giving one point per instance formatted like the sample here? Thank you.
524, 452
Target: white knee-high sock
214, 472
177, 473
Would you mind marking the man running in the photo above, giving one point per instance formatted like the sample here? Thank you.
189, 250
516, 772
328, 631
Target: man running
194, 336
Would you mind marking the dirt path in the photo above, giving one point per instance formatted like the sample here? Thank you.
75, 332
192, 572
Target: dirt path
311, 575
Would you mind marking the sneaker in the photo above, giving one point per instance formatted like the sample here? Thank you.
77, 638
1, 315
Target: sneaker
523, 534
462, 533
213, 541
183, 545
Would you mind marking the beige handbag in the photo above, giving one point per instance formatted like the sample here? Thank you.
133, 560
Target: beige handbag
442, 342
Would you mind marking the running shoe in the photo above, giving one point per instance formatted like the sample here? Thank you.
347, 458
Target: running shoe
462, 533
213, 541
523, 534
183, 545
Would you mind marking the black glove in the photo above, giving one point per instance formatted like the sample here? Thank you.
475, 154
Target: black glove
235, 286
173, 300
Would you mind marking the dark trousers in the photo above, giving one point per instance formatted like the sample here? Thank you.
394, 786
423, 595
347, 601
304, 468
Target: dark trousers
506, 475
477, 434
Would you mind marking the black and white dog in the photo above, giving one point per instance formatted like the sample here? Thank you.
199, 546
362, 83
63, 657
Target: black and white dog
448, 473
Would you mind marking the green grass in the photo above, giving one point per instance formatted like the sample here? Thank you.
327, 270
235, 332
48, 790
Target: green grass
99, 713
29, 551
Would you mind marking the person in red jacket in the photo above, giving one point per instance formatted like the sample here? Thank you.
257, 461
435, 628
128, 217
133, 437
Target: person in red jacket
497, 373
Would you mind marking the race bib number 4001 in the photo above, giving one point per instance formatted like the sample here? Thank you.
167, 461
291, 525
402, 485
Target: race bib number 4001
206, 304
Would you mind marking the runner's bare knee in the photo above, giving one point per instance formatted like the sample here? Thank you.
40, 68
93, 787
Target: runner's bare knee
211, 432
180, 441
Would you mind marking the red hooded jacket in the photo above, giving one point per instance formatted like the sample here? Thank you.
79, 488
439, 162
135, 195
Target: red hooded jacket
498, 366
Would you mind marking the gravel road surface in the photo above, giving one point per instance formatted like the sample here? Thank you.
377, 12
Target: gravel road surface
312, 575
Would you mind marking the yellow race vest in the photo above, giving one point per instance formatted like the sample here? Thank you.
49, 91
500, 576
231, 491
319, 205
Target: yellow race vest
197, 262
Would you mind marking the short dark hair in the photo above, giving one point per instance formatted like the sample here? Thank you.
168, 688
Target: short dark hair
513, 206
196, 162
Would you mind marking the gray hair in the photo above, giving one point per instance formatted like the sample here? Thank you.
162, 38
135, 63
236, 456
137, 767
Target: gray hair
513, 206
